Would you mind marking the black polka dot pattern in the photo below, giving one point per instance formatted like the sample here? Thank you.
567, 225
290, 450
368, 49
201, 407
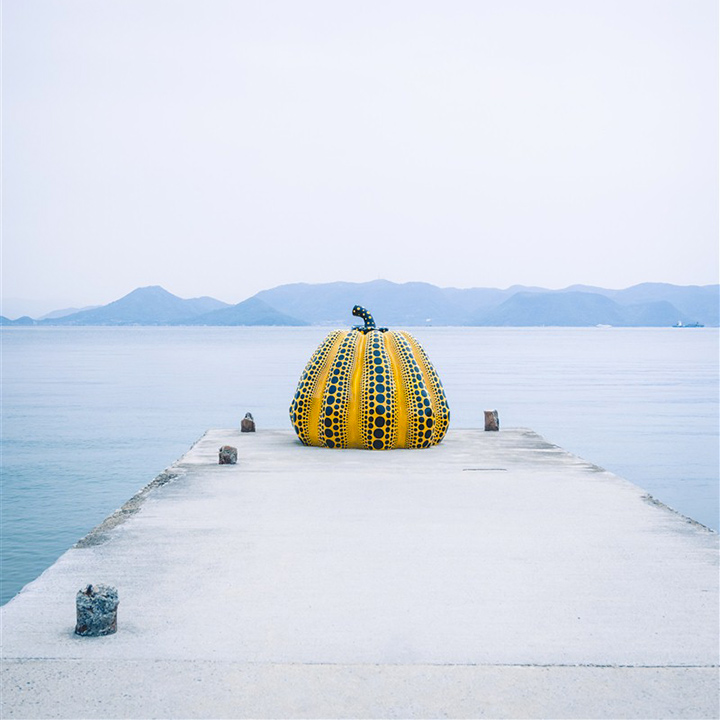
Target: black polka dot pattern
421, 416
439, 401
333, 431
378, 422
327, 410
300, 406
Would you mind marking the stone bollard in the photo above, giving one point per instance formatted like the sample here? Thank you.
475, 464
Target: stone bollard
96, 611
492, 421
228, 455
247, 424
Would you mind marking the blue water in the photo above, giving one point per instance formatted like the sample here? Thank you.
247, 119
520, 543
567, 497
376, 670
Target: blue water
91, 415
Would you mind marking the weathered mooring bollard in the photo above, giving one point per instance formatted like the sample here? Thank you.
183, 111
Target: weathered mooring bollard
96, 610
247, 424
492, 421
227, 455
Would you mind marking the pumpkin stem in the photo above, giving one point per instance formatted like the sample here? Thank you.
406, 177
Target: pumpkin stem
361, 312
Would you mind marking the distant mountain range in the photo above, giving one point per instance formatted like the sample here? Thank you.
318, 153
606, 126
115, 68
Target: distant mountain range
410, 304
649, 304
156, 306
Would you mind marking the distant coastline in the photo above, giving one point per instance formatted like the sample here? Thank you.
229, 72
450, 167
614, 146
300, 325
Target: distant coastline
409, 304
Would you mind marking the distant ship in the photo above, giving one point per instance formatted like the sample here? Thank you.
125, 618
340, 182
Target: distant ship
683, 325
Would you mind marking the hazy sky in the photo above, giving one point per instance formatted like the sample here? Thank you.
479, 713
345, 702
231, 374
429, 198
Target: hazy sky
221, 147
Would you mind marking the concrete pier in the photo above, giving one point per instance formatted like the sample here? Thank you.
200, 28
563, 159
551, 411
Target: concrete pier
494, 575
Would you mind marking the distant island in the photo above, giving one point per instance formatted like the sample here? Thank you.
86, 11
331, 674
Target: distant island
411, 304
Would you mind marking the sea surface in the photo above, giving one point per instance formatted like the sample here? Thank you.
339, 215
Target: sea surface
92, 414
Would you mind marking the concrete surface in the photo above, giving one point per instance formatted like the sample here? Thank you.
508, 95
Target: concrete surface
494, 575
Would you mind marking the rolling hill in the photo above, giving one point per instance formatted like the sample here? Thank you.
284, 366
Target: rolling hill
577, 309
144, 306
252, 311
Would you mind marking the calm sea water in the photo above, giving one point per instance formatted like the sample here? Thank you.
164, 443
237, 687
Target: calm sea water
91, 415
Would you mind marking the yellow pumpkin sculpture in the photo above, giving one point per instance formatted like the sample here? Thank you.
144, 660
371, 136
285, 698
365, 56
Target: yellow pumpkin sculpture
370, 388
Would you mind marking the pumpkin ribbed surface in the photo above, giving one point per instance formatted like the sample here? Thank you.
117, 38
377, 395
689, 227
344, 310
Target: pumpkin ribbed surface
370, 389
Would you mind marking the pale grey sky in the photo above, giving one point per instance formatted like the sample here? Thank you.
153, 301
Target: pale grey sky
219, 147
